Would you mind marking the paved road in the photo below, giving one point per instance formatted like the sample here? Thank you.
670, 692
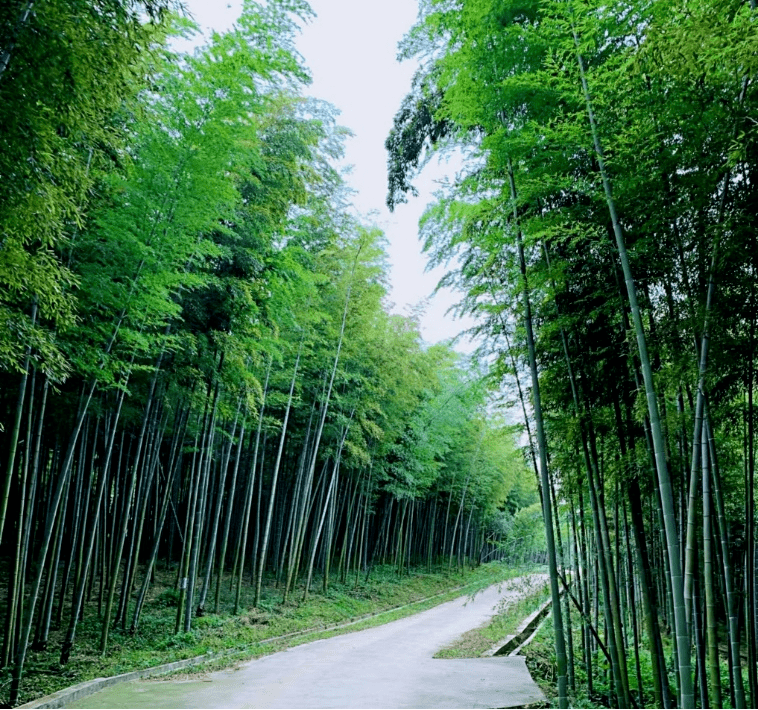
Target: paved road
389, 666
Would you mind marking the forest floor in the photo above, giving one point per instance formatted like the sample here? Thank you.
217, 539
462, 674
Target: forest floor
245, 635
540, 659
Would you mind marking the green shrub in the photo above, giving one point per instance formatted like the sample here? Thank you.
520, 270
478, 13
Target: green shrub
167, 599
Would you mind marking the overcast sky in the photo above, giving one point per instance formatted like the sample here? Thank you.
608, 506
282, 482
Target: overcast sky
350, 49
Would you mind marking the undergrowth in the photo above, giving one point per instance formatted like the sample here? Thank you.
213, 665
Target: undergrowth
540, 659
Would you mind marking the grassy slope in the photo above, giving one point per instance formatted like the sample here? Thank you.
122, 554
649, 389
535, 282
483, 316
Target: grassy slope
154, 643
511, 613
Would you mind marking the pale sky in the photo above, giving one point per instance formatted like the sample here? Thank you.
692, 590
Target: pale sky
350, 49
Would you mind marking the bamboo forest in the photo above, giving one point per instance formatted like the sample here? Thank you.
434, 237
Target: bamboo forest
211, 415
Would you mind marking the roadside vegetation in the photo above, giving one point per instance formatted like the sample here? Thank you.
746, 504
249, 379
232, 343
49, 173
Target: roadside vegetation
596, 692
528, 595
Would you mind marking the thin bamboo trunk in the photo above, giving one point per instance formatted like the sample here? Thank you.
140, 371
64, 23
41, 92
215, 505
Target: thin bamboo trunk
249, 494
15, 581
463, 496
697, 447
322, 420
567, 611
154, 552
205, 473
750, 585
76, 608
649, 606
632, 604
13, 444
189, 520
687, 698
140, 511
324, 511
43, 625
217, 512
732, 604
124, 526
714, 672
560, 650
585, 594
302, 504
274, 480
228, 521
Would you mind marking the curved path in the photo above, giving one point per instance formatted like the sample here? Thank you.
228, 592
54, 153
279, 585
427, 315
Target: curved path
389, 666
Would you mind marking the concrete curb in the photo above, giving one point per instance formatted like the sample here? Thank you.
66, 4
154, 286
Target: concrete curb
525, 630
60, 698
88, 687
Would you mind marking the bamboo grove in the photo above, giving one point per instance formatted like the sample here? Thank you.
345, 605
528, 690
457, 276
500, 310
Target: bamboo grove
200, 372
603, 232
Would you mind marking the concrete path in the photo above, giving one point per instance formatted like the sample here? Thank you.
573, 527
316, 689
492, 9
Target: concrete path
389, 666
